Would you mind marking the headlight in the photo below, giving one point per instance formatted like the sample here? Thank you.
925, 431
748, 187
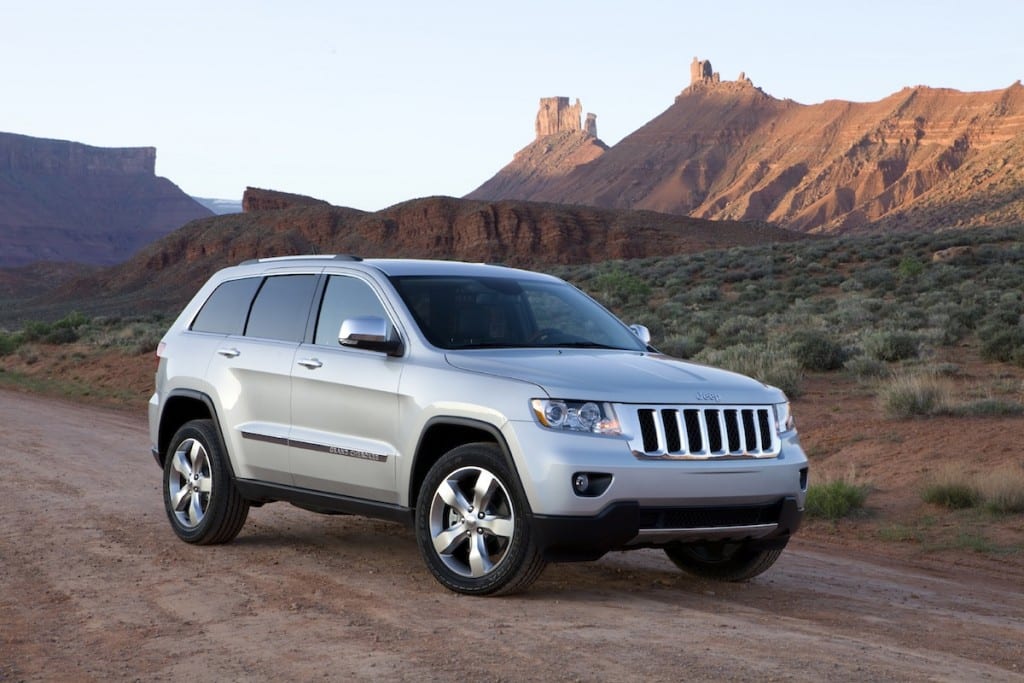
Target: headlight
783, 418
576, 416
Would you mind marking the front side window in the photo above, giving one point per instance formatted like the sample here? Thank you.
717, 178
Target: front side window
345, 297
281, 308
505, 312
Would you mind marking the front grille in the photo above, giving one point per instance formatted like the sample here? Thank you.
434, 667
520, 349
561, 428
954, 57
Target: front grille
709, 517
699, 432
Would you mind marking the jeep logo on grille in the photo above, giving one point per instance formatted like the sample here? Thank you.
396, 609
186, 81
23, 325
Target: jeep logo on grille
708, 396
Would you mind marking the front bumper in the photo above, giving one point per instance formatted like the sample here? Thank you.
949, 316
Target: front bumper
627, 525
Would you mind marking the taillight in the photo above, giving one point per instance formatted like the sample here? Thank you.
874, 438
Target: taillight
160, 351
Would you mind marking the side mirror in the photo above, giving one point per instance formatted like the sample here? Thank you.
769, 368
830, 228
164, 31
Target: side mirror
642, 332
370, 333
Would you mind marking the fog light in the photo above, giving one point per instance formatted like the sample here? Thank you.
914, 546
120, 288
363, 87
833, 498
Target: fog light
581, 482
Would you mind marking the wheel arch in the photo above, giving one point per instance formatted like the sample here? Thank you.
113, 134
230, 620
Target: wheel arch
442, 434
181, 406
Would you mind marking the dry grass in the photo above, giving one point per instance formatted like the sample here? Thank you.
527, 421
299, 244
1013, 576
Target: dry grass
915, 395
1003, 490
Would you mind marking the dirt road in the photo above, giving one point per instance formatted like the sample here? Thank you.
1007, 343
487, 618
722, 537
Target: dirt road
94, 585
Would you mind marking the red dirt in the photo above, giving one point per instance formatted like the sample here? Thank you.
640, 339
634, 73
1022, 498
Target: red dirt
95, 585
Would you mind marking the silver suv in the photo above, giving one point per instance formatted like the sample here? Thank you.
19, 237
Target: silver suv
504, 415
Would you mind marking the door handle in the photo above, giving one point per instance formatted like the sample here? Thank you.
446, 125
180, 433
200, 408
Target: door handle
310, 363
229, 353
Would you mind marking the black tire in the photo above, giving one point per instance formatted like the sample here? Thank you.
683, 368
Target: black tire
200, 498
476, 541
722, 561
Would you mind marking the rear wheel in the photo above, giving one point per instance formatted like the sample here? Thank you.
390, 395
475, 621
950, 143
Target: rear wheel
472, 524
201, 501
722, 561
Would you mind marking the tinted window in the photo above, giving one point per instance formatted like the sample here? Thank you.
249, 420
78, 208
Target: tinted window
226, 309
281, 308
345, 297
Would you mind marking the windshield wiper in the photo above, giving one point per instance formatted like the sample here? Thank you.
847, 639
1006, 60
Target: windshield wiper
584, 345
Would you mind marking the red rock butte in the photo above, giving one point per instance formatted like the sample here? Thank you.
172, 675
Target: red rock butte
921, 159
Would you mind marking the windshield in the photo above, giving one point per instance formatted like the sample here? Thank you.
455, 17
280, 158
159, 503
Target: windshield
499, 312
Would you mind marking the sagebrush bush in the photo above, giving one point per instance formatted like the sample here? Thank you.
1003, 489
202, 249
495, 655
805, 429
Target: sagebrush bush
1004, 344
1003, 490
767, 362
681, 346
816, 352
863, 367
952, 488
835, 499
914, 395
9, 343
890, 346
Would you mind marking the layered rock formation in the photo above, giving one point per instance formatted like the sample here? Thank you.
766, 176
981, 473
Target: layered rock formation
922, 158
65, 201
256, 199
515, 233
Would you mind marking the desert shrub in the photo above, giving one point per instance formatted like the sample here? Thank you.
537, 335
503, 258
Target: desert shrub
863, 367
835, 499
1002, 344
919, 395
876, 278
1003, 490
9, 343
890, 346
620, 286
951, 488
910, 267
681, 346
767, 362
60, 335
704, 293
740, 329
816, 352
35, 330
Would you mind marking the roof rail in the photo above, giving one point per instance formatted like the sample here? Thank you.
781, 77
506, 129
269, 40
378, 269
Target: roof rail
302, 257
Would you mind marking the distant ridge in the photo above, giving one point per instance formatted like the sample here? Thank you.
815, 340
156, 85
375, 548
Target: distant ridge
165, 274
921, 159
65, 201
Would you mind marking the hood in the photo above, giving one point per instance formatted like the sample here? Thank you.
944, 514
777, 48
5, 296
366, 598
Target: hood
617, 376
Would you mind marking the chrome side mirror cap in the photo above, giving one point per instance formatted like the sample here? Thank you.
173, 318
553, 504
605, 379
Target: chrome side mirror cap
369, 332
642, 332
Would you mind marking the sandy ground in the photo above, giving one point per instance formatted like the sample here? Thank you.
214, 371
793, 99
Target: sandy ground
94, 585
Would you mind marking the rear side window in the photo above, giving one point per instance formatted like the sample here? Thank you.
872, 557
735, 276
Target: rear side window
226, 309
281, 308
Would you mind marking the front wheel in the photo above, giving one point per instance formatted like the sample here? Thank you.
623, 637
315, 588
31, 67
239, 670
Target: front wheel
201, 501
472, 524
722, 561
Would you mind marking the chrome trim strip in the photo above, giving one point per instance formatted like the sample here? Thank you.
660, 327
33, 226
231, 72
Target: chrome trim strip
318, 447
704, 533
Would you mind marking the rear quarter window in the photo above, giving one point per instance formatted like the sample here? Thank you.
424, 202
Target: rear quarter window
228, 307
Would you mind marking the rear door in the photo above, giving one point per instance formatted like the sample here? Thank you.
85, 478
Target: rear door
345, 402
251, 372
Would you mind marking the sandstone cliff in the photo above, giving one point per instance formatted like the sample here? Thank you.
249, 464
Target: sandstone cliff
256, 199
515, 233
65, 201
922, 158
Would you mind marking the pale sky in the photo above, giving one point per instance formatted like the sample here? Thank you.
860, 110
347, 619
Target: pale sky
367, 104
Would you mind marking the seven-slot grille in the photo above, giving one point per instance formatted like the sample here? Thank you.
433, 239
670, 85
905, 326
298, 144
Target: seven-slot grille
702, 432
